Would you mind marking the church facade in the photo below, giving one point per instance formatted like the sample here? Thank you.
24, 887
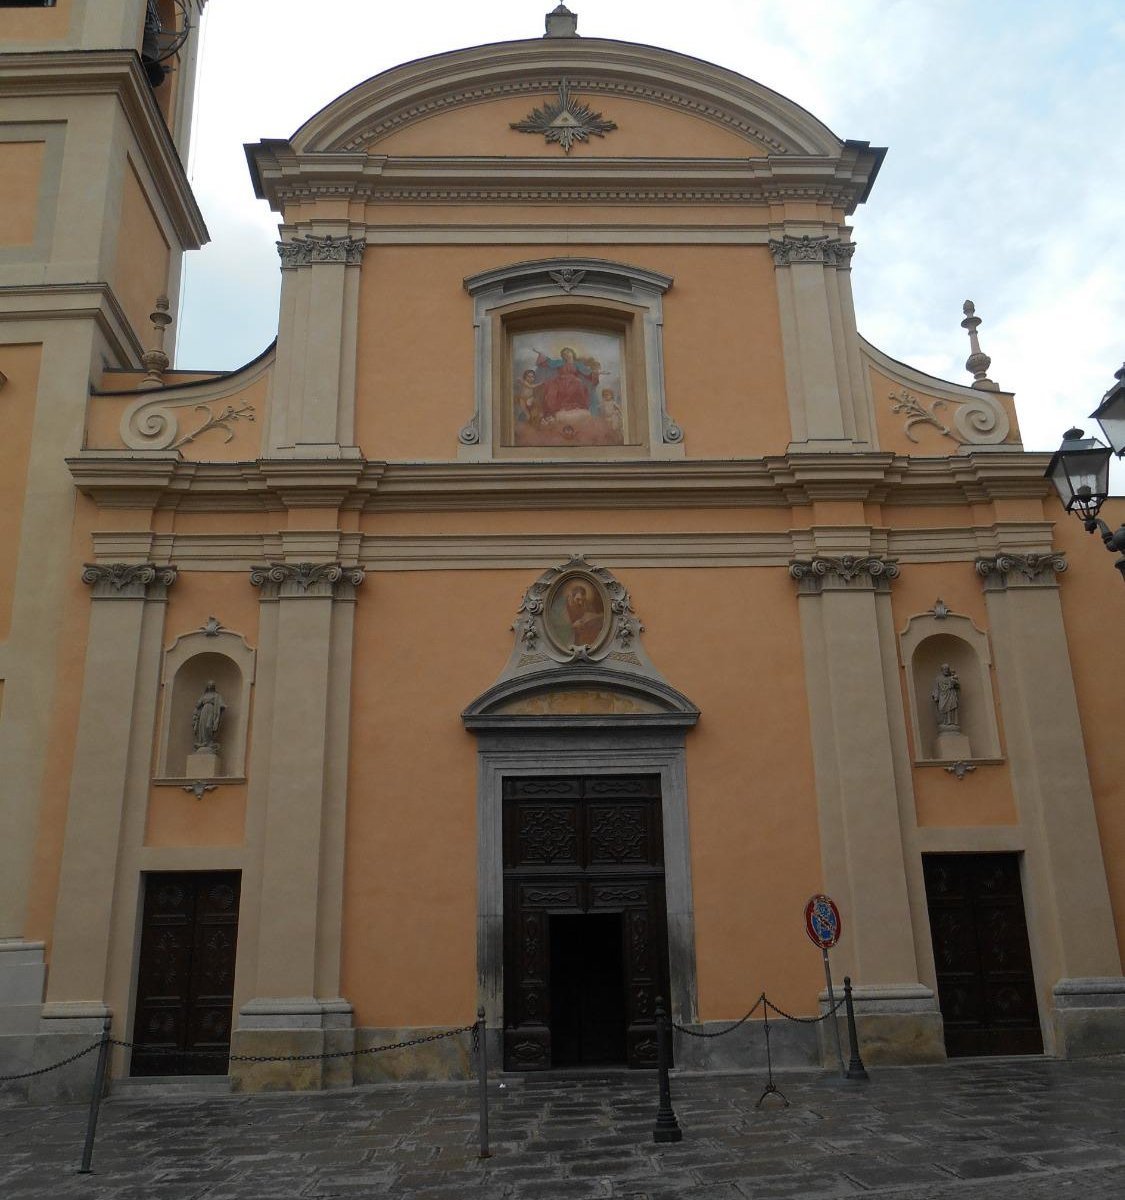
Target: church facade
567, 595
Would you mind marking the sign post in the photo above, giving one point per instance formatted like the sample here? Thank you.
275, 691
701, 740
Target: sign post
822, 924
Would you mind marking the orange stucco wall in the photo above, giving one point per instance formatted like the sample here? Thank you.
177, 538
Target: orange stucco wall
141, 270
35, 24
1092, 594
21, 169
643, 130
17, 401
415, 390
410, 900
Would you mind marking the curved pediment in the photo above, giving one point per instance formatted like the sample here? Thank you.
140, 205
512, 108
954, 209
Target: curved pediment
524, 75
578, 660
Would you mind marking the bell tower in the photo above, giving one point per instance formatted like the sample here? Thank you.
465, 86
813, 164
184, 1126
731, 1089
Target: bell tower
95, 215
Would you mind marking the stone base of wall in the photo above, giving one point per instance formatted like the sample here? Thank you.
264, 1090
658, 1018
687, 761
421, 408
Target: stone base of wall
1089, 1017
896, 1025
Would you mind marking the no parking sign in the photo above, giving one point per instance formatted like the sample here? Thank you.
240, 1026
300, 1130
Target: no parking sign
822, 921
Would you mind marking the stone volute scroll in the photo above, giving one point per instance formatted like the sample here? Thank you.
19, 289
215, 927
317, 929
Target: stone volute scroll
578, 657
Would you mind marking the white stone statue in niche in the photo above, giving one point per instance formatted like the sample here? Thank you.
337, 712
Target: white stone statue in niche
947, 699
206, 718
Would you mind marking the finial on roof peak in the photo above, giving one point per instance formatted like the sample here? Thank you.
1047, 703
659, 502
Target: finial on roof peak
978, 362
561, 22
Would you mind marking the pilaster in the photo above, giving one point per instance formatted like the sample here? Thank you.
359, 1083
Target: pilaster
119, 689
823, 375
299, 763
858, 742
312, 404
1074, 948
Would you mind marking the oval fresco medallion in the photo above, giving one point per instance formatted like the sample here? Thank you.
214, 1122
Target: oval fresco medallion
577, 611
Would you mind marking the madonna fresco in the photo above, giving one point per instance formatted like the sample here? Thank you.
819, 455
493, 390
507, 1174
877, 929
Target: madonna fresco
576, 612
568, 388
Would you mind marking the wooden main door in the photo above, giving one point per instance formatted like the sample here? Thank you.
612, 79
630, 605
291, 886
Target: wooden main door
986, 987
185, 981
585, 926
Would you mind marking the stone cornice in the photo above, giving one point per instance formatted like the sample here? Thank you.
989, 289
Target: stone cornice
114, 72
139, 479
74, 301
283, 176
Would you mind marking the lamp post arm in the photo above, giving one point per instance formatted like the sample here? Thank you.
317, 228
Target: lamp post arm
1114, 541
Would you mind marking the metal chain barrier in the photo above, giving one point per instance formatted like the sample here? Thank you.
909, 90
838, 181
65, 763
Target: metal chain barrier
63, 1062
699, 1033
804, 1020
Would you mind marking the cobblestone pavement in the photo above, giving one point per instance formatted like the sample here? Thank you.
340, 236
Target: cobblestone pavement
999, 1129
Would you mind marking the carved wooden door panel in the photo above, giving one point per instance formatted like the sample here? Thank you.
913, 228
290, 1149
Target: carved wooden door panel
986, 986
185, 980
583, 846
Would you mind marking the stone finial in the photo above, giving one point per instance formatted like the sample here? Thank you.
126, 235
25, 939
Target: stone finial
561, 22
978, 362
155, 360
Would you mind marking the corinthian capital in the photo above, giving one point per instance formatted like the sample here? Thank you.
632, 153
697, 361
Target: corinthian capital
305, 251
1020, 570
848, 571
789, 250
305, 579
127, 581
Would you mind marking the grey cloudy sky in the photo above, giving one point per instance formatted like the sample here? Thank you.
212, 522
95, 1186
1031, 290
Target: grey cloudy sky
1004, 180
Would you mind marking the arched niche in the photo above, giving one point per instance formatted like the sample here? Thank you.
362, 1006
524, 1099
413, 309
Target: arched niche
929, 642
212, 654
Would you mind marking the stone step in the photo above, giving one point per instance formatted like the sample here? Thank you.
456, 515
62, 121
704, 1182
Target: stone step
144, 1087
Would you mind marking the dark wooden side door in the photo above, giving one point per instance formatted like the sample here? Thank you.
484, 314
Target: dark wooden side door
584, 898
986, 986
185, 980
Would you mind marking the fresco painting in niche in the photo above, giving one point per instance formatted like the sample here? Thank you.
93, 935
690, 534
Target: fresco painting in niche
576, 612
569, 388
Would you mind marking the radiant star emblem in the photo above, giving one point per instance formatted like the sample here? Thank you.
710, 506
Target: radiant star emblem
566, 121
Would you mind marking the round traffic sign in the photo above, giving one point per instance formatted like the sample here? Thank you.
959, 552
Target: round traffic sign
822, 921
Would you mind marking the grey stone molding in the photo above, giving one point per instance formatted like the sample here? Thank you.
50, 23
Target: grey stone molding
306, 579
312, 250
829, 252
848, 571
1020, 570
128, 581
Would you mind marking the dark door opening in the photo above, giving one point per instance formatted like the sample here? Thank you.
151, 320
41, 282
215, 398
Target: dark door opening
587, 990
986, 986
185, 980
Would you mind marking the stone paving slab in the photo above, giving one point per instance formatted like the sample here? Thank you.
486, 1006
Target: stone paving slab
1027, 1129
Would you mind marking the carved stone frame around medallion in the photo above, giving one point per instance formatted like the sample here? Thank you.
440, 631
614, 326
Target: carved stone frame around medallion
595, 292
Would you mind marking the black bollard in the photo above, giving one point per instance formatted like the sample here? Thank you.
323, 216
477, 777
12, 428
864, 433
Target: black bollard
667, 1128
482, 1079
856, 1069
95, 1103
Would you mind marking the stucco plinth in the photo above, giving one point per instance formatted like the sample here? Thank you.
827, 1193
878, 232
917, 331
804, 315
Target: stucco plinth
284, 1028
896, 1026
23, 973
64, 1029
449, 1058
1089, 1016
744, 1048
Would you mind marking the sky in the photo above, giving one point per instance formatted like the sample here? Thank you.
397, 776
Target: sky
1004, 181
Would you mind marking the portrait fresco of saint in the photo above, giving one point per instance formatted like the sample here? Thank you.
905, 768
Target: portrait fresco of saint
576, 614
568, 388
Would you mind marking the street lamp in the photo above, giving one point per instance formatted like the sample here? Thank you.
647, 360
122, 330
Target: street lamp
1079, 470
1110, 414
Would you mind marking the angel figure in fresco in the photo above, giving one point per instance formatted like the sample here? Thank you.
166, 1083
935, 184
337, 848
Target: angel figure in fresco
529, 405
568, 382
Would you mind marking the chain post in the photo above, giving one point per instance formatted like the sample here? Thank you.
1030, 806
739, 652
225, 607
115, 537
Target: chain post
856, 1069
667, 1128
481, 1038
95, 1102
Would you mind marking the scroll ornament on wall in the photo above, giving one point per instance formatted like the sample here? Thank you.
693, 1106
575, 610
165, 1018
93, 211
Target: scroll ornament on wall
978, 420
152, 424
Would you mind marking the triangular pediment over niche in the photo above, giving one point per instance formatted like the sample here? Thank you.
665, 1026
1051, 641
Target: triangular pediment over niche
578, 659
